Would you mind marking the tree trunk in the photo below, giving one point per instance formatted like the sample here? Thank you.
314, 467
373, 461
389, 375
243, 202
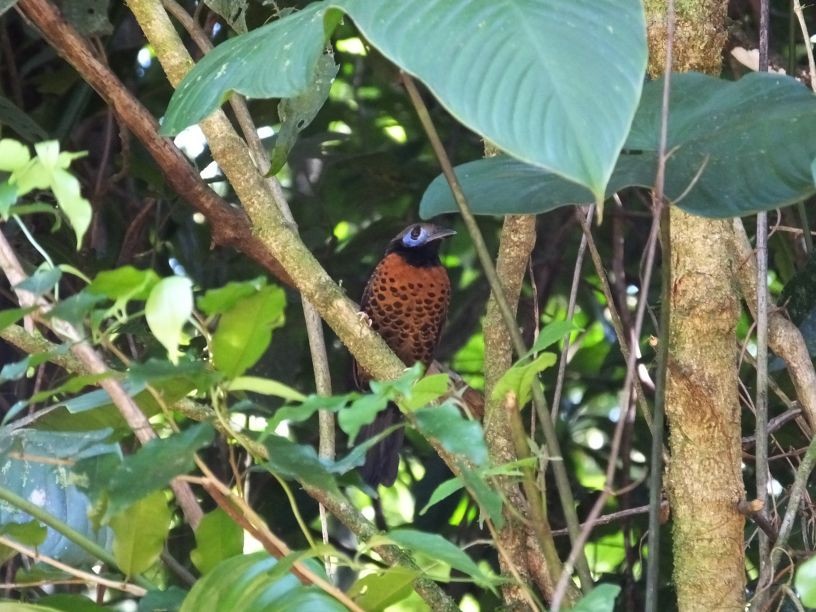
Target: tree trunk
704, 479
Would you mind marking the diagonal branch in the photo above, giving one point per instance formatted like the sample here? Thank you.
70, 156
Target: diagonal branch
229, 225
784, 338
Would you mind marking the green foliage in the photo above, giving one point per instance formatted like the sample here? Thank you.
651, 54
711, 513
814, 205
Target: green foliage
139, 533
72, 603
426, 390
124, 284
440, 550
805, 582
47, 170
49, 485
151, 468
245, 330
378, 590
737, 148
243, 583
299, 462
296, 113
601, 599
265, 386
11, 316
220, 299
521, 377
167, 309
168, 600
457, 434
468, 67
31, 533
41, 282
218, 537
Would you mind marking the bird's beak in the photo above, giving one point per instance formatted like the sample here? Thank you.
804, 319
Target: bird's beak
437, 233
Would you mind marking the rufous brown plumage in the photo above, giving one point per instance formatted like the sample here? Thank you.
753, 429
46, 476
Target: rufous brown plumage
406, 300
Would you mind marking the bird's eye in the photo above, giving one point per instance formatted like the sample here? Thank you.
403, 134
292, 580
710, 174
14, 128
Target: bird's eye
415, 237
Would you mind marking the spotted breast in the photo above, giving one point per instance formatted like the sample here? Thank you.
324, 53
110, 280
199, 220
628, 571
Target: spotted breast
406, 300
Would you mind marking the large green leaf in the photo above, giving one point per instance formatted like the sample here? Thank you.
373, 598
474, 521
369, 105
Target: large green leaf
298, 462
600, 599
218, 537
274, 61
245, 330
506, 69
437, 547
246, 583
457, 434
154, 465
751, 142
140, 532
32, 464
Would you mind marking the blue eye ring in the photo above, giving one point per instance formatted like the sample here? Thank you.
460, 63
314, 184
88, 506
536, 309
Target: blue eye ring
417, 236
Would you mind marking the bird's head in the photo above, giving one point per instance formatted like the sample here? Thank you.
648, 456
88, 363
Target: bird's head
419, 243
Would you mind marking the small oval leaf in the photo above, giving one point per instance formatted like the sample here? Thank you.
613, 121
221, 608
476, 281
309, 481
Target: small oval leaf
168, 307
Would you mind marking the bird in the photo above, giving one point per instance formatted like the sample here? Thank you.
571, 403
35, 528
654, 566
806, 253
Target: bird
406, 301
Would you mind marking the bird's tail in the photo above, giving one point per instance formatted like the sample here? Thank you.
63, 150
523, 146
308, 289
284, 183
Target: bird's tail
382, 459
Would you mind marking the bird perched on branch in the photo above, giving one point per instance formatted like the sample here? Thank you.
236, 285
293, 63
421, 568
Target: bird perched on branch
406, 299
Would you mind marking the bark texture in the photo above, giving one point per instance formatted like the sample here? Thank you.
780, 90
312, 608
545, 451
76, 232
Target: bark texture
704, 479
704, 475
518, 542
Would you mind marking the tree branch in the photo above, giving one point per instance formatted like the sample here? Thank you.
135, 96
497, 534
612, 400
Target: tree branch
784, 338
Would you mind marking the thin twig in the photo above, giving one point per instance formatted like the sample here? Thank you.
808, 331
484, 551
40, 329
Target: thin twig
797, 490
656, 474
797, 9
573, 297
614, 517
784, 338
761, 402
86, 577
616, 318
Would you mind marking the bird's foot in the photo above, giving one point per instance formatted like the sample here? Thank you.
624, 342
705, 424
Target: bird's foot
364, 318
